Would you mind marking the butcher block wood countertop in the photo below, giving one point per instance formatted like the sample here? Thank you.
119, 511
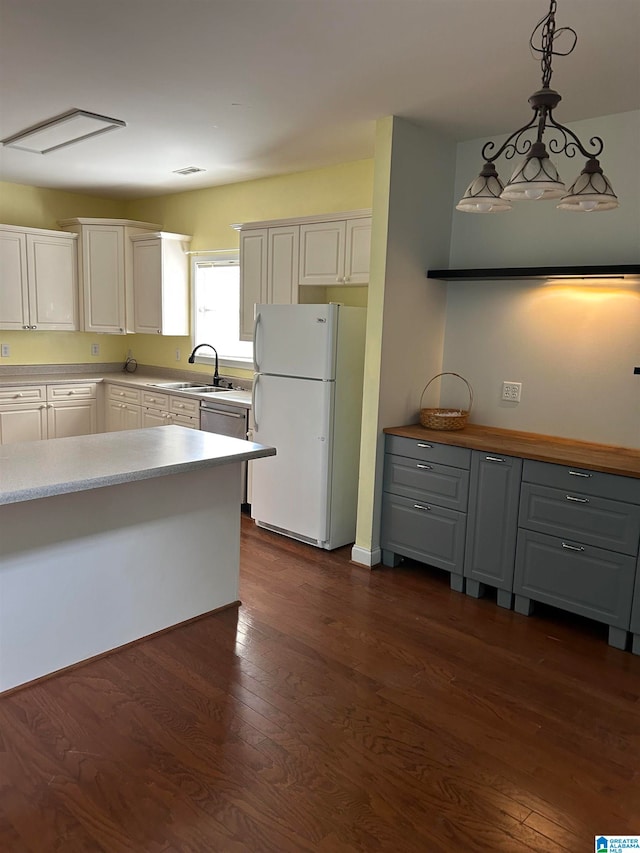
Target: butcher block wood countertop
530, 445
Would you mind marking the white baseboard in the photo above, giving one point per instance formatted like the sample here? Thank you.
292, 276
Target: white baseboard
365, 557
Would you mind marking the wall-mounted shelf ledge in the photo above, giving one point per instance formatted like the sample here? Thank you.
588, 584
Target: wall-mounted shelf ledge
630, 271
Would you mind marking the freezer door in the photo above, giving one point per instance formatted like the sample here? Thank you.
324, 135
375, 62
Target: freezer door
291, 490
296, 340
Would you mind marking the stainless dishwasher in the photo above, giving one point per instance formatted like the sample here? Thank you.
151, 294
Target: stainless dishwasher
227, 420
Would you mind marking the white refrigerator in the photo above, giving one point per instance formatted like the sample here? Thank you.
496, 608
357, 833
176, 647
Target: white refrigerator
307, 403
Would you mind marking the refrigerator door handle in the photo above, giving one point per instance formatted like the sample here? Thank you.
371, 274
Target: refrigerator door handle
255, 342
253, 401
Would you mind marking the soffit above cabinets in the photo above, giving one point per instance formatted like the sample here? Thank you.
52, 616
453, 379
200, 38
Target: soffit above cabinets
619, 271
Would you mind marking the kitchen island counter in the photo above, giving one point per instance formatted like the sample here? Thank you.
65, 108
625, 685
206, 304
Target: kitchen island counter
39, 469
108, 538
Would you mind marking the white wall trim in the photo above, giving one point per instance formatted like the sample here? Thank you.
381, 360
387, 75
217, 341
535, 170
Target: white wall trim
365, 557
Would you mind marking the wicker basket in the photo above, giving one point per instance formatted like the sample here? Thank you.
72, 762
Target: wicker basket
448, 419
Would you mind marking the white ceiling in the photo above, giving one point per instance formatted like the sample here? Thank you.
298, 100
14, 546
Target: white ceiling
251, 88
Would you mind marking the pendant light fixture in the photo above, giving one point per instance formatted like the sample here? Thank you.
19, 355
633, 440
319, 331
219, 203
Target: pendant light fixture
536, 177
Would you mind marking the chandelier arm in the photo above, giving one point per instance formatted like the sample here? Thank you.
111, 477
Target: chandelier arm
509, 145
573, 142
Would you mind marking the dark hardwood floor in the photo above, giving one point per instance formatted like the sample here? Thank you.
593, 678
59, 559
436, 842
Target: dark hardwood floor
338, 710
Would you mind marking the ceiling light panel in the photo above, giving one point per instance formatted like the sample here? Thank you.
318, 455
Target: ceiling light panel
66, 129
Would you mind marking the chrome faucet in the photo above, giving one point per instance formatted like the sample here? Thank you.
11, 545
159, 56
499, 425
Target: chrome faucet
216, 376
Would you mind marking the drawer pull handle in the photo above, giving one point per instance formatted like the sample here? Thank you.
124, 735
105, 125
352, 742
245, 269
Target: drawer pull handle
572, 547
578, 474
420, 506
577, 500
493, 459
428, 446
426, 467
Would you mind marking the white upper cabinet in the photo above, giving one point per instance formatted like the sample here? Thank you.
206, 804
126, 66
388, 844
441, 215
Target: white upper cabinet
161, 283
357, 251
253, 277
277, 257
335, 253
282, 265
269, 259
38, 279
322, 253
106, 271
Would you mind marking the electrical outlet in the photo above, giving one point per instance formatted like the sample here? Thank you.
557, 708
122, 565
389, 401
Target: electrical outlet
6, 352
95, 349
512, 391
177, 355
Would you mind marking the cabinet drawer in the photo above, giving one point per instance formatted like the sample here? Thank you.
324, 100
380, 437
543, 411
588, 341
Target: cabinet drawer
23, 394
185, 421
184, 406
591, 520
429, 482
589, 581
72, 391
596, 483
431, 534
459, 457
153, 398
123, 394
635, 609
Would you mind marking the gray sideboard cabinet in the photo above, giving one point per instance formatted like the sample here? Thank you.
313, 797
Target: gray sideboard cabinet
635, 613
424, 504
578, 541
492, 523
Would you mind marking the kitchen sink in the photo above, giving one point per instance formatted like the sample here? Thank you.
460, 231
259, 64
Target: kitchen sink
189, 386
177, 386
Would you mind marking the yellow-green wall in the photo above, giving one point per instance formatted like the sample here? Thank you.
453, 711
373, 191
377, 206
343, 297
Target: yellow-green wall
37, 207
205, 214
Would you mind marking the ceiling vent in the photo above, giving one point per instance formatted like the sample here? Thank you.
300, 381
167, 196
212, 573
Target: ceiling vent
188, 170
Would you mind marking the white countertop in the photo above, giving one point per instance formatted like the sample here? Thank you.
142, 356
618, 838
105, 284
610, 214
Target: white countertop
40, 469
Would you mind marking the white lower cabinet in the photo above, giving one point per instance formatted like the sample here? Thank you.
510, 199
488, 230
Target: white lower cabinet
22, 422
36, 412
122, 408
162, 409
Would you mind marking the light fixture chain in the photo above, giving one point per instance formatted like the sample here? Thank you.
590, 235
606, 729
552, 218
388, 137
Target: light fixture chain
546, 28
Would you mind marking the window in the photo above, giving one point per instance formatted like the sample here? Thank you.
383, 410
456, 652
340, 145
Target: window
216, 309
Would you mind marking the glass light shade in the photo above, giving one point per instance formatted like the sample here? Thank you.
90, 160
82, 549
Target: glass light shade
483, 195
535, 178
590, 192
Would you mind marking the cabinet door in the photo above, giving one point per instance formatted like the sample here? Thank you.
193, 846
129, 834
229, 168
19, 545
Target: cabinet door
23, 422
122, 416
14, 292
592, 582
253, 277
635, 611
147, 286
493, 519
357, 251
75, 417
283, 259
424, 532
322, 252
154, 417
53, 282
103, 278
